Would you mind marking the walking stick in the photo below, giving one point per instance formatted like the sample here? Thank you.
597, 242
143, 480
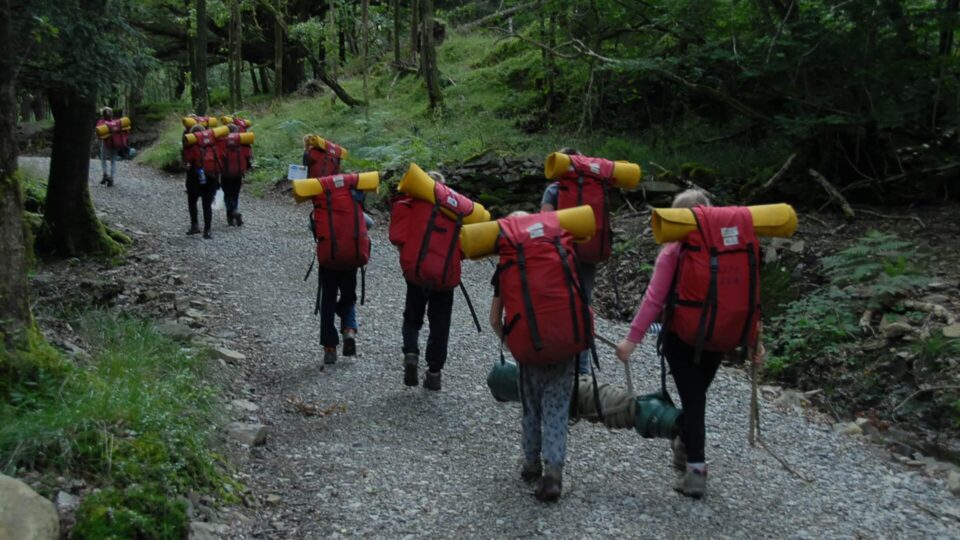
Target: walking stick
754, 406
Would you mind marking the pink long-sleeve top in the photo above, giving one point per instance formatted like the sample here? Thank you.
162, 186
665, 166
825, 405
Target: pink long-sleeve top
656, 295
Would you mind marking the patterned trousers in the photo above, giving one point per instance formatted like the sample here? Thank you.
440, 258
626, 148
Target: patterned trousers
545, 392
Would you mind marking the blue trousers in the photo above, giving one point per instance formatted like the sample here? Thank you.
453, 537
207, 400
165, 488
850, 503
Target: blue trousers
111, 154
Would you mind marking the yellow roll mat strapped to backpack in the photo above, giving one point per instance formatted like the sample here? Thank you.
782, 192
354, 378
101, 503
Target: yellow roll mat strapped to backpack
190, 139
419, 185
317, 141
189, 122
480, 239
308, 188
103, 131
246, 137
674, 224
625, 175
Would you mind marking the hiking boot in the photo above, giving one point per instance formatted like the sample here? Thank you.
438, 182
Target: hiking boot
238, 218
550, 486
410, 377
431, 380
349, 342
104, 180
109, 181
531, 472
194, 229
692, 482
679, 454
329, 355
207, 235
230, 220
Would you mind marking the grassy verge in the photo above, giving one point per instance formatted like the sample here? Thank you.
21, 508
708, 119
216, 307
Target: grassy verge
491, 102
135, 421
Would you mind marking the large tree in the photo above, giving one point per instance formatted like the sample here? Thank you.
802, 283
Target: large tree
428, 55
14, 298
200, 90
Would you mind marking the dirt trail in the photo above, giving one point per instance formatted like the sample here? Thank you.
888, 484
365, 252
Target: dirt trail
405, 462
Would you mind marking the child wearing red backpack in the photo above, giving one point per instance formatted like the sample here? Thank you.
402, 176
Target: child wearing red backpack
430, 255
202, 161
112, 146
587, 270
236, 161
337, 290
693, 366
539, 313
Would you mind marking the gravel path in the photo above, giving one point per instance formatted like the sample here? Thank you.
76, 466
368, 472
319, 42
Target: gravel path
405, 462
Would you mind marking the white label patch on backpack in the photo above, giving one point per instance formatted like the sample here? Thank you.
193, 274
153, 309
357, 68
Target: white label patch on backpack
535, 230
338, 181
595, 168
731, 235
452, 201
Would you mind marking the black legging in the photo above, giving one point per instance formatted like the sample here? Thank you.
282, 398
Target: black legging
693, 379
438, 306
206, 192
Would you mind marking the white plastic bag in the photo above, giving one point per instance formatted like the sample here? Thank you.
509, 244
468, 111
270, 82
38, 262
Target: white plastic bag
218, 200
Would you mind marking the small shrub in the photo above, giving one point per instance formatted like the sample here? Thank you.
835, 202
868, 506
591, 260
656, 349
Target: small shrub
138, 511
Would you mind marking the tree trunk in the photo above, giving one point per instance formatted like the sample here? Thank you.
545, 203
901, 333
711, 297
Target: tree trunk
25, 110
342, 42
15, 317
428, 54
253, 79
278, 50
71, 227
364, 37
200, 64
414, 29
396, 34
331, 35
264, 80
39, 107
232, 77
181, 83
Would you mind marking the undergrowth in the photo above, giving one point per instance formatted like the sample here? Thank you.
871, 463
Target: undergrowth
135, 419
492, 101
822, 327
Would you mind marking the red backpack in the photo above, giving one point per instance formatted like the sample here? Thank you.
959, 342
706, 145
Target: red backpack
236, 156
117, 140
429, 239
589, 183
242, 124
546, 317
205, 153
338, 225
714, 303
324, 162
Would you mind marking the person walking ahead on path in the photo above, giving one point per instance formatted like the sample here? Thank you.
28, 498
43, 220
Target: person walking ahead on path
547, 324
430, 255
202, 161
691, 374
236, 161
110, 148
338, 285
587, 271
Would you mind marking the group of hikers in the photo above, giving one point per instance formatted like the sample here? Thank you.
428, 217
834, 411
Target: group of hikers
543, 285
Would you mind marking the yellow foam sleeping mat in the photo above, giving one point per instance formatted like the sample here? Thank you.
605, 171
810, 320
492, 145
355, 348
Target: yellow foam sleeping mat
103, 131
308, 188
626, 175
246, 137
190, 139
674, 224
419, 185
229, 120
480, 239
189, 122
317, 141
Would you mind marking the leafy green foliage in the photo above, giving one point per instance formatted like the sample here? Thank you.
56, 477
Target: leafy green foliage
134, 512
820, 327
885, 266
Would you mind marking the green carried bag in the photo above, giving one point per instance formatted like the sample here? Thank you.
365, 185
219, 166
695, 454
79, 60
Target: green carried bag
503, 380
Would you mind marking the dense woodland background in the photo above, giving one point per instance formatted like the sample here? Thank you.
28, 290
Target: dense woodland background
844, 106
